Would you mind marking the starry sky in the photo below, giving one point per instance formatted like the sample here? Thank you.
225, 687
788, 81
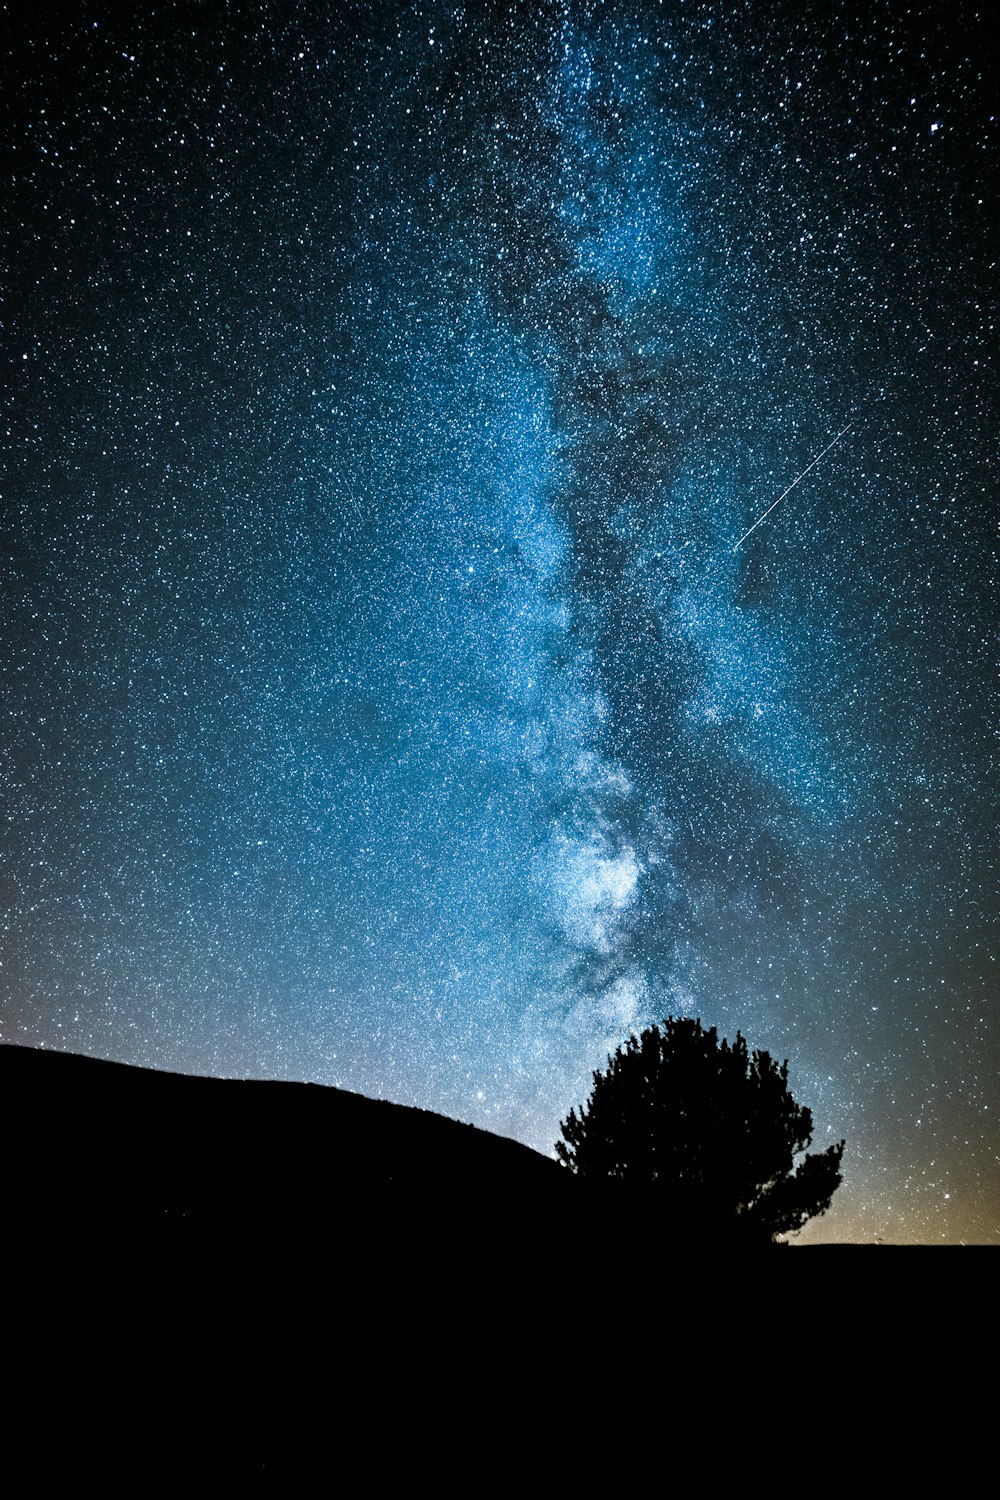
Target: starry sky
389, 698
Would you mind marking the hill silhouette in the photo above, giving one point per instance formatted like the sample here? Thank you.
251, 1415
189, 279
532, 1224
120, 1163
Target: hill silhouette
101, 1142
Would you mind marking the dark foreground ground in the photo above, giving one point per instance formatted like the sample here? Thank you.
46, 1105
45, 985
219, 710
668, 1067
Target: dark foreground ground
234, 1281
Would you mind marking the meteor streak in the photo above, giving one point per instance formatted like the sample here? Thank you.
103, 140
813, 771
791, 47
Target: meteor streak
794, 482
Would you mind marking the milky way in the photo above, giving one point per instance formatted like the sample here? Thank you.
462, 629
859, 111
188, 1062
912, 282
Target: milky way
393, 694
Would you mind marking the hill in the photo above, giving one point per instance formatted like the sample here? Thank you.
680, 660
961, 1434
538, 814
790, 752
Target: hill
98, 1142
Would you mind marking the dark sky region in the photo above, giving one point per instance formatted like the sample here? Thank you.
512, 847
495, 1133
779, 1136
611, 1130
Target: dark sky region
387, 701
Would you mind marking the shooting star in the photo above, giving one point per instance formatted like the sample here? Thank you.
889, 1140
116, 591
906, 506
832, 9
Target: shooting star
794, 482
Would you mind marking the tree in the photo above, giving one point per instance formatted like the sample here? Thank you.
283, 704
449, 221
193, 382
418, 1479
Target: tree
708, 1131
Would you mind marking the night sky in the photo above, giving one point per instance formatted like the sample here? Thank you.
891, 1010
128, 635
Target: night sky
388, 698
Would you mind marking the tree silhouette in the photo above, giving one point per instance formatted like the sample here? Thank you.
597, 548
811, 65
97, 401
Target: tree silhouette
709, 1130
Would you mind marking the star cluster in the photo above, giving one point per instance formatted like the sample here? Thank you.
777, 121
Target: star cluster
390, 699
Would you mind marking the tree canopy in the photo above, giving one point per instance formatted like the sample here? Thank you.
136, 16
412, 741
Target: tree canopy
709, 1130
